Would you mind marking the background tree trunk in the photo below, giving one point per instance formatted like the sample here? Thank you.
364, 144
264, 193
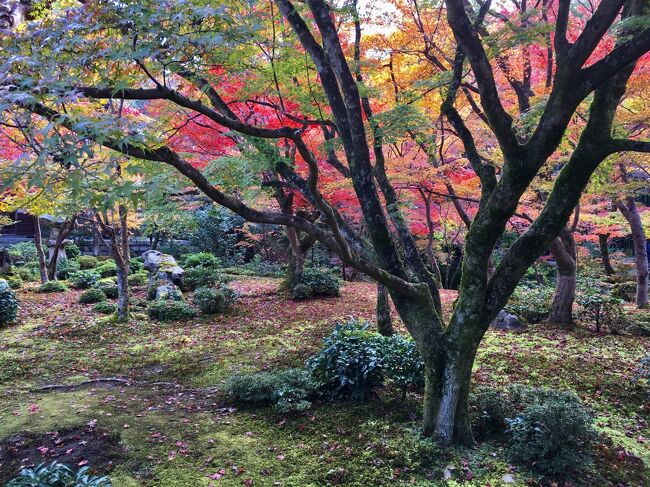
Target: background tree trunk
384, 321
563, 249
38, 242
604, 253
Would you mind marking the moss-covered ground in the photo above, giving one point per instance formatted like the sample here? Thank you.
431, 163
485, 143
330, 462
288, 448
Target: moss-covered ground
170, 424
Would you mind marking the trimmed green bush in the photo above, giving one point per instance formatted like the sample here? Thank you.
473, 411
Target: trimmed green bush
108, 286
489, 409
87, 262
23, 252
53, 287
57, 475
214, 300
201, 259
92, 295
84, 279
105, 308
602, 309
402, 363
553, 434
107, 269
316, 281
169, 310
288, 390
136, 265
138, 279
532, 303
196, 277
66, 268
350, 363
8, 304
14, 281
28, 274
72, 251
625, 291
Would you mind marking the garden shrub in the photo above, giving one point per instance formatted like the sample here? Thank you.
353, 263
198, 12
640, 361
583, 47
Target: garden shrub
57, 475
92, 295
108, 286
214, 300
72, 251
23, 252
84, 279
260, 267
625, 291
53, 287
602, 309
201, 259
319, 280
138, 279
14, 281
196, 277
136, 265
107, 269
552, 434
644, 370
170, 310
533, 304
87, 262
29, 274
489, 409
639, 323
105, 308
350, 364
288, 390
66, 267
8, 304
402, 363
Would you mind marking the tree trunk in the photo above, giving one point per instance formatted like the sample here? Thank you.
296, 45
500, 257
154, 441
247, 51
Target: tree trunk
563, 250
604, 253
633, 217
38, 242
122, 292
384, 321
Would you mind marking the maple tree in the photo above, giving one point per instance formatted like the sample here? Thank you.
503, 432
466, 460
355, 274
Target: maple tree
318, 107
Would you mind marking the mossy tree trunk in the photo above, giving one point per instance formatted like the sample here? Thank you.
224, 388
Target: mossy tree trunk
603, 245
563, 249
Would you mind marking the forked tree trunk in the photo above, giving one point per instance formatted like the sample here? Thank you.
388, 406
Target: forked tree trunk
38, 242
384, 321
564, 251
604, 253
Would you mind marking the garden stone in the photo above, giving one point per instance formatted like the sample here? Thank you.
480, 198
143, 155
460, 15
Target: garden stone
507, 321
163, 267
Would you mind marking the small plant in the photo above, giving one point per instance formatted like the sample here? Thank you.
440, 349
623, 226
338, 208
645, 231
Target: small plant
72, 251
57, 475
108, 286
170, 310
23, 252
92, 295
8, 304
201, 259
53, 287
553, 433
316, 282
289, 390
138, 279
196, 277
84, 279
136, 265
65, 268
107, 269
214, 300
87, 262
105, 308
350, 363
